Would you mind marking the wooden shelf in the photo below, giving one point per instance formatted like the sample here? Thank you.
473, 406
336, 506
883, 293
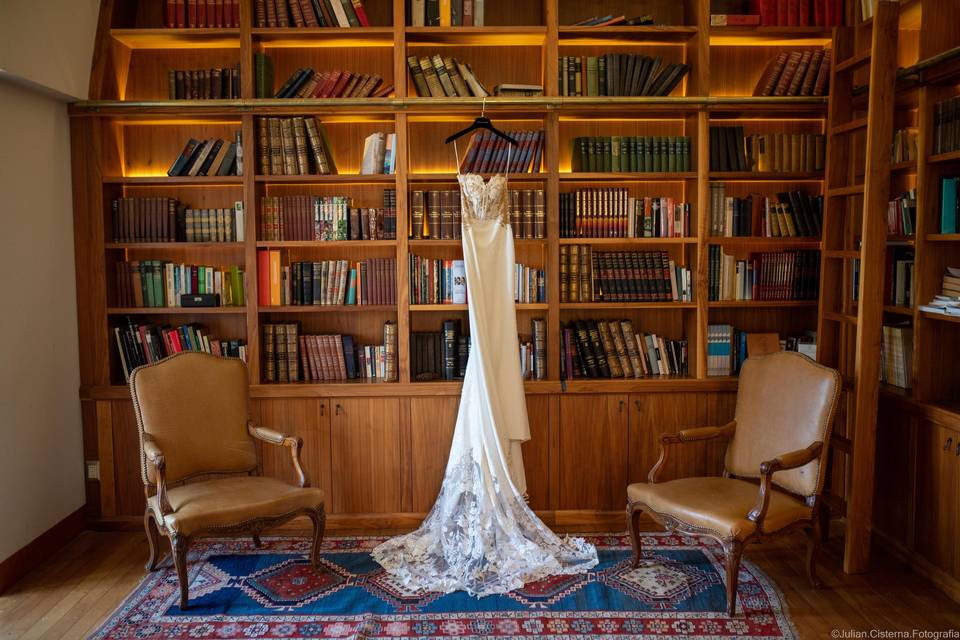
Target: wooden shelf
482, 36
299, 37
940, 317
766, 243
609, 176
651, 384
434, 308
899, 311
340, 178
175, 311
177, 38
768, 176
428, 242
200, 181
943, 237
579, 35
950, 156
627, 305
628, 241
328, 244
751, 304
175, 246
906, 167
770, 36
328, 308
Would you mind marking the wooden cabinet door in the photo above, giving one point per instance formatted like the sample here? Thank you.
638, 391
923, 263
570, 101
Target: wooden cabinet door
938, 493
306, 418
431, 432
654, 414
593, 452
536, 451
366, 455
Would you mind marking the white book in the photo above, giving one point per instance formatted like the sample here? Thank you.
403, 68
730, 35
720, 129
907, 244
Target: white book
417, 12
239, 220
478, 13
339, 13
372, 154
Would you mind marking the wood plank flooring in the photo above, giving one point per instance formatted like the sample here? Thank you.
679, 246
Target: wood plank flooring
69, 595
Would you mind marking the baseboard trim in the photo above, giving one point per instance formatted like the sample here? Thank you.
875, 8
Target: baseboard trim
920, 565
41, 548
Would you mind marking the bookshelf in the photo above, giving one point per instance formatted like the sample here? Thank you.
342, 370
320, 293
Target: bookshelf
128, 133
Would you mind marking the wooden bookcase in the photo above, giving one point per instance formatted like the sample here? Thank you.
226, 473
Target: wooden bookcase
378, 449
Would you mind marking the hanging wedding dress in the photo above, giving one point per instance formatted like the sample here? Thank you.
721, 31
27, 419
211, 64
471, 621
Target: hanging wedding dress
480, 536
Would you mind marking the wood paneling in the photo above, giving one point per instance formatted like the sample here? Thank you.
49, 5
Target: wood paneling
593, 451
365, 452
431, 426
308, 419
126, 460
938, 494
536, 452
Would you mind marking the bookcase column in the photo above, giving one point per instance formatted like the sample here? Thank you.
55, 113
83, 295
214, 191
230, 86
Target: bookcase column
248, 140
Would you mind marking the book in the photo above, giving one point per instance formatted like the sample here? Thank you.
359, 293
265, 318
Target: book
162, 219
786, 214
487, 153
446, 13
949, 204
325, 218
193, 160
289, 355
443, 281
732, 150
795, 73
199, 14
204, 84
438, 77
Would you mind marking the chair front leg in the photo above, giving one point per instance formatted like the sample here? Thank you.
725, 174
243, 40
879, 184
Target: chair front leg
633, 516
734, 549
813, 548
153, 539
319, 520
179, 545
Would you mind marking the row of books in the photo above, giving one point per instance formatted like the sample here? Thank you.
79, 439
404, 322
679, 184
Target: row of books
900, 283
731, 150
630, 153
292, 356
613, 213
325, 282
791, 214
204, 84
211, 157
139, 344
161, 219
796, 73
306, 82
444, 355
611, 349
326, 218
949, 204
446, 13
438, 77
619, 74
896, 355
947, 302
902, 214
157, 283
437, 281
436, 214
309, 13
798, 13
294, 146
767, 275
946, 125
379, 154
904, 148
621, 276
199, 14
611, 20
727, 347
489, 153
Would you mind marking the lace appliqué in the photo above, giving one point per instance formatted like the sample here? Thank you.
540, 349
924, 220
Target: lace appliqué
480, 538
484, 200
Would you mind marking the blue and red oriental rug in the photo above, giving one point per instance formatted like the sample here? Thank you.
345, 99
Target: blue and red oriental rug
237, 591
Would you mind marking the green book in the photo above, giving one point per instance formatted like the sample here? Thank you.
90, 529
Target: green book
351, 297
236, 282
684, 161
593, 84
615, 154
156, 282
624, 154
606, 155
602, 76
647, 153
632, 153
671, 153
591, 154
656, 152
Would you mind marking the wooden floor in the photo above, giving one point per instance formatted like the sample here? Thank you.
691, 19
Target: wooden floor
76, 589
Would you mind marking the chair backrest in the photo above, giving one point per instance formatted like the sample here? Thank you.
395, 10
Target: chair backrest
194, 406
785, 402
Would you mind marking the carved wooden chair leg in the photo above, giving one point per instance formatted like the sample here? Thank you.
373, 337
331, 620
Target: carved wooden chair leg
813, 546
633, 516
823, 519
319, 520
734, 551
179, 546
153, 539
256, 540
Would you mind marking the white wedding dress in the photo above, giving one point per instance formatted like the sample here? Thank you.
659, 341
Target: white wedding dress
480, 536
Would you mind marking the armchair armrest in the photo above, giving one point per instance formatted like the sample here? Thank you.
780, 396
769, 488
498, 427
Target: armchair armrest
697, 434
276, 438
791, 460
155, 457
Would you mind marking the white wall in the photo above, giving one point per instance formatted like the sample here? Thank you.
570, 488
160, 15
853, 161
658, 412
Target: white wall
45, 55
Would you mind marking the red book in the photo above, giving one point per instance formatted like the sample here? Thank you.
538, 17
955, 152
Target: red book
337, 81
782, 11
793, 7
361, 13
181, 13
263, 278
819, 13
212, 12
768, 13
804, 13
192, 13
236, 13
170, 14
837, 12
218, 12
201, 14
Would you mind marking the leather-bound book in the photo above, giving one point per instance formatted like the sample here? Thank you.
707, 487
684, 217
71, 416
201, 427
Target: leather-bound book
789, 70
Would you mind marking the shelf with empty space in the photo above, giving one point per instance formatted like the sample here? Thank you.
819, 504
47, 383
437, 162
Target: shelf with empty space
337, 178
130, 311
609, 176
483, 36
849, 127
628, 241
599, 306
768, 176
163, 38
328, 308
278, 37
840, 192
853, 62
625, 34
750, 304
770, 36
206, 181
899, 311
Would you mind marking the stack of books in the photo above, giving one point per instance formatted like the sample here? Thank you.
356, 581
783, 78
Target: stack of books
204, 84
792, 214
291, 356
293, 146
896, 356
621, 276
315, 13
326, 218
140, 344
310, 83
160, 219
211, 157
768, 275
157, 283
633, 154
948, 302
611, 349
613, 213
438, 77
325, 282
796, 73
489, 153
732, 150
619, 74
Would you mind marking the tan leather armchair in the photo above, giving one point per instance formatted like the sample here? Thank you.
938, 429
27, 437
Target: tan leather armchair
199, 462
779, 436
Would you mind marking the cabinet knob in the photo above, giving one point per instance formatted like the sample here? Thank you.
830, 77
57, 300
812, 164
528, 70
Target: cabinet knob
947, 444
958, 449
323, 407
636, 403
622, 402
338, 409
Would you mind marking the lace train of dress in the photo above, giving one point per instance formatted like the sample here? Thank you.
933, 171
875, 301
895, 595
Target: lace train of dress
480, 536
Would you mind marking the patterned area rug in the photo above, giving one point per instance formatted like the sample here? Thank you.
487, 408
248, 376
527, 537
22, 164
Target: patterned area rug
237, 591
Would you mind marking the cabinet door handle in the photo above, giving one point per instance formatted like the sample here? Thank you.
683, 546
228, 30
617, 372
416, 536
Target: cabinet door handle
338, 409
947, 444
322, 409
958, 449
636, 403
622, 402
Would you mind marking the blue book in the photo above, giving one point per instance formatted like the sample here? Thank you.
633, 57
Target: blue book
948, 205
349, 359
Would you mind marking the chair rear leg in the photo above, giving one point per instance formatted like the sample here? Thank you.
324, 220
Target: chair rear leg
633, 517
319, 520
734, 551
179, 546
256, 540
813, 548
153, 539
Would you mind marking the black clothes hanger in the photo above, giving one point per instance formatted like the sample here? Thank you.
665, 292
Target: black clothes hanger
482, 122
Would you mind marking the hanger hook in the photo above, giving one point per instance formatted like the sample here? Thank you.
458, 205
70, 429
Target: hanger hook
483, 106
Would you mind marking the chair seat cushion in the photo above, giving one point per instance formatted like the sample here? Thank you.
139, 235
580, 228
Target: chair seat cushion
232, 501
717, 504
